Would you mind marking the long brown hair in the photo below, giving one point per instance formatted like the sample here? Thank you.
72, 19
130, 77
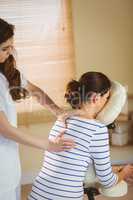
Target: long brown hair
8, 68
79, 92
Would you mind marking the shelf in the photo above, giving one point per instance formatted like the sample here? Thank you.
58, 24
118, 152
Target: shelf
122, 154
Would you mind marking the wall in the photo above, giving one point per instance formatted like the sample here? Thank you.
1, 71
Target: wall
103, 38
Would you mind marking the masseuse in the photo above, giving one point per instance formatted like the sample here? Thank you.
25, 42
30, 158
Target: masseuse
14, 87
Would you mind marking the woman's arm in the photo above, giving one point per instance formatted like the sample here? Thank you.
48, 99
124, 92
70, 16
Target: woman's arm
10, 132
43, 99
100, 153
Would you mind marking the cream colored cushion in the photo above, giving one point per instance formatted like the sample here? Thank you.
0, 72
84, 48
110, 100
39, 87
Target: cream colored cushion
115, 104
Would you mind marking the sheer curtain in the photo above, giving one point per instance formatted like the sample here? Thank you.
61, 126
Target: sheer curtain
44, 44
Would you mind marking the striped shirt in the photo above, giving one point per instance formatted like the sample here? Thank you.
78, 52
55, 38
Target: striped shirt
62, 174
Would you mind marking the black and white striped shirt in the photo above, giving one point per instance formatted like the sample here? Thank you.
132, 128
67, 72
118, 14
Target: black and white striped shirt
62, 174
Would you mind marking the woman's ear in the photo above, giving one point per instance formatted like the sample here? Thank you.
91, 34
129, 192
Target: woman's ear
95, 98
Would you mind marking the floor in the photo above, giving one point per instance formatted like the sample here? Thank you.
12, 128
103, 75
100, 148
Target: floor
26, 189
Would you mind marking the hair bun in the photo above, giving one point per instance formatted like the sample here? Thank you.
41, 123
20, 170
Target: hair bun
73, 86
72, 94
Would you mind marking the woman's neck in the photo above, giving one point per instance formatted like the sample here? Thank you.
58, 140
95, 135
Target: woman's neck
88, 112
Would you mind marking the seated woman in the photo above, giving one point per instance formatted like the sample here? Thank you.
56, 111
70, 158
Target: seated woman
62, 174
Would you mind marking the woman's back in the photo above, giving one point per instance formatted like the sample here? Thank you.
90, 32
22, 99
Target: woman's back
62, 174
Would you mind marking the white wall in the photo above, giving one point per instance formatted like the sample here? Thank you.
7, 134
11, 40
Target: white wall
103, 32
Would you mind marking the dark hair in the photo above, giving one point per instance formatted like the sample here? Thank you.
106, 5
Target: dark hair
8, 68
79, 92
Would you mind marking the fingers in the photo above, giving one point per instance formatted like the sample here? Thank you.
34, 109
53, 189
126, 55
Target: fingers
68, 144
61, 134
60, 138
67, 147
64, 116
68, 140
63, 143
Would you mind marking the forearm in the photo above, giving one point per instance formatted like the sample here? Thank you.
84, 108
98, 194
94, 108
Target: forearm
15, 134
25, 138
50, 105
43, 99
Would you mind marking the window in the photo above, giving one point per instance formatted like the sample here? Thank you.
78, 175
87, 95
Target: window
44, 44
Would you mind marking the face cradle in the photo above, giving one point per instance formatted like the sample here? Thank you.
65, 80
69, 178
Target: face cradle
6, 49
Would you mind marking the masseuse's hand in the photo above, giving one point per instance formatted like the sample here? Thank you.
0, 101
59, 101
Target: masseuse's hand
60, 144
64, 115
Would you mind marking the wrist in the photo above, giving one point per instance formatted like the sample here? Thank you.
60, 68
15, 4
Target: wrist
56, 110
50, 145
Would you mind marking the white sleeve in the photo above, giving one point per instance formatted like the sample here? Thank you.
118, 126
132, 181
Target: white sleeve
24, 81
100, 154
2, 95
2, 102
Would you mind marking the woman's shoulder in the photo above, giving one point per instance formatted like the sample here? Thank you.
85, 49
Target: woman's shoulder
2, 77
3, 80
87, 122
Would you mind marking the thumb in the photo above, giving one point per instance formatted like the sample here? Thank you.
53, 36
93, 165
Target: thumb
61, 135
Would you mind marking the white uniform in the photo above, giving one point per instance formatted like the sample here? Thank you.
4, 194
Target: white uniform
10, 172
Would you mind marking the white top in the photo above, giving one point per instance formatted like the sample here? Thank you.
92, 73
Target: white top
10, 172
62, 174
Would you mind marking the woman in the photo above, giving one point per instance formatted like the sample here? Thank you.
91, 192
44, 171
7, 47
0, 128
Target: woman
14, 87
62, 174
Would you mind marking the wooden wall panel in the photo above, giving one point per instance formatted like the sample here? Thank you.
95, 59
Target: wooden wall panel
44, 44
